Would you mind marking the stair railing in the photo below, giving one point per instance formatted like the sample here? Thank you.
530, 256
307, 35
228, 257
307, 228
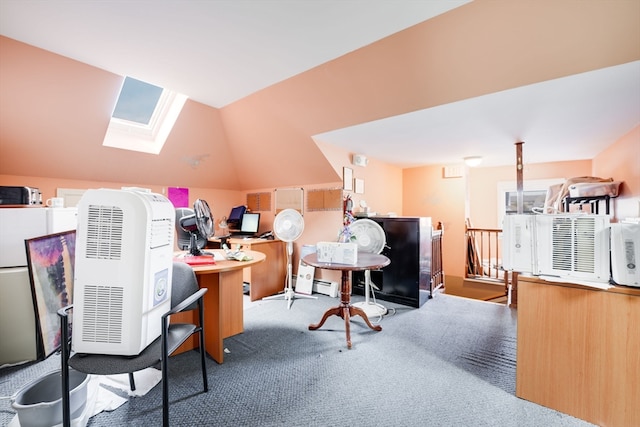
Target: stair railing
484, 259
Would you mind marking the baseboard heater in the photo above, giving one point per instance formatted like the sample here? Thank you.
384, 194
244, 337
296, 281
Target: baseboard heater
325, 287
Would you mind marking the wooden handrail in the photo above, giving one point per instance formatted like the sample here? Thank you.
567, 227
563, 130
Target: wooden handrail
484, 259
437, 272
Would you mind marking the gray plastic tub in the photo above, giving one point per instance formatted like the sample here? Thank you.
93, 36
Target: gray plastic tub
39, 403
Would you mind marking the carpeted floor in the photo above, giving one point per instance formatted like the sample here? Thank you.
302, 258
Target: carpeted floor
449, 363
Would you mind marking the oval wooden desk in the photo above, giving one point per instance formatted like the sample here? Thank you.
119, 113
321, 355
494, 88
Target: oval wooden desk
345, 310
223, 302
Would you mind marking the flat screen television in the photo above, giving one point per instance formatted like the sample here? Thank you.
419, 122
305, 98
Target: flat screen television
234, 220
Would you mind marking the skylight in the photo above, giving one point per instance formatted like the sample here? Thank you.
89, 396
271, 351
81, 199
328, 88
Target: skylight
137, 101
143, 117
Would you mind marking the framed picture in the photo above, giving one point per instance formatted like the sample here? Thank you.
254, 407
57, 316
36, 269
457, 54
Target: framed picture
359, 184
347, 179
51, 262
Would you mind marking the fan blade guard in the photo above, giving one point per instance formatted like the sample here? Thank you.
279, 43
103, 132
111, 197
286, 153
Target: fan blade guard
288, 225
204, 220
369, 235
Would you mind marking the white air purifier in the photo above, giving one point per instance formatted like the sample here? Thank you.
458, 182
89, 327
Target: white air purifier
124, 259
625, 254
573, 246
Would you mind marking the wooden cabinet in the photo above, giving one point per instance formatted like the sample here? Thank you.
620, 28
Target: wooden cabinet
268, 277
578, 350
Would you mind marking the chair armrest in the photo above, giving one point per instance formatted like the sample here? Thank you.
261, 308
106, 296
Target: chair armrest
186, 303
64, 311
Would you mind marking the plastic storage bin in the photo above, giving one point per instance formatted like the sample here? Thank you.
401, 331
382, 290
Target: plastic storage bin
39, 403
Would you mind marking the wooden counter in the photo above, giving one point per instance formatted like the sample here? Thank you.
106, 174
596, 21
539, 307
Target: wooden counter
578, 350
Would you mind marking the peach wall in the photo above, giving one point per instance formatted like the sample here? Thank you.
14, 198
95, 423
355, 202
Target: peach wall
483, 184
266, 139
622, 162
55, 112
382, 181
220, 201
427, 193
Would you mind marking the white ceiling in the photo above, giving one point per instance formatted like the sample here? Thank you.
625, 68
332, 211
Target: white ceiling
217, 52
572, 118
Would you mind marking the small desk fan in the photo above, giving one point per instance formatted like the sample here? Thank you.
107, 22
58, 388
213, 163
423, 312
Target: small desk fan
199, 224
288, 227
370, 238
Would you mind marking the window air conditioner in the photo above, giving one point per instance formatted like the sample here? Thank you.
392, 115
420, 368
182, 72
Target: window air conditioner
566, 246
518, 251
573, 246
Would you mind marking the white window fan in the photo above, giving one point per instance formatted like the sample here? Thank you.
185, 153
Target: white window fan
370, 238
288, 227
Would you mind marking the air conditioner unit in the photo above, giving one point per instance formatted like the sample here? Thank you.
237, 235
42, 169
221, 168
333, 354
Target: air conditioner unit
573, 246
518, 250
124, 259
625, 254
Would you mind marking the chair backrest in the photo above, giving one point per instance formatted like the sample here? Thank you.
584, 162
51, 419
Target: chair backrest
183, 284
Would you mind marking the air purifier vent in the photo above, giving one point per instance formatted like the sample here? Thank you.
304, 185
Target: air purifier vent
102, 314
104, 232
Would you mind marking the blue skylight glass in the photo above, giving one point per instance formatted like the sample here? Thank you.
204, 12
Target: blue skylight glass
137, 101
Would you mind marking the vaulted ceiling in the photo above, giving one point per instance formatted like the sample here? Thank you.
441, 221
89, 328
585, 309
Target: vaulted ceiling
406, 82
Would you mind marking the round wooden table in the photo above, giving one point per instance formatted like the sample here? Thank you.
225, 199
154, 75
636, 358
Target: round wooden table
345, 310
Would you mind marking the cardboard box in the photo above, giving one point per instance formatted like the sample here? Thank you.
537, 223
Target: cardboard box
337, 253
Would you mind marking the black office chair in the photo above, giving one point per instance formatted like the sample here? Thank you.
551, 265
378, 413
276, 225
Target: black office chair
185, 296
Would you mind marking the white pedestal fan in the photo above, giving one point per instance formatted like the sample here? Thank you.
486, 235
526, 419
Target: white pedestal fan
288, 227
370, 238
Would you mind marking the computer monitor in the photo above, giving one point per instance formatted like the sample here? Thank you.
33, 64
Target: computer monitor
250, 223
234, 220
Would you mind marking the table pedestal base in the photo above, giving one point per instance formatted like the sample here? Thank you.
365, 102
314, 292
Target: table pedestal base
345, 310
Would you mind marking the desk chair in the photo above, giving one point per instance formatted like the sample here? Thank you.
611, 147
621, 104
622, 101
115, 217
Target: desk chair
185, 296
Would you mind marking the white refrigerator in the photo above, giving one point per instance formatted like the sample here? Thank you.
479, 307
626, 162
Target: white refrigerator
17, 316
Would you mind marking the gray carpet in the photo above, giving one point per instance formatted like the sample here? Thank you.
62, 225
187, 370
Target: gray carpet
449, 363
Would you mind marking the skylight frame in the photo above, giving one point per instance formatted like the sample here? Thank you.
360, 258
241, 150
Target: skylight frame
134, 136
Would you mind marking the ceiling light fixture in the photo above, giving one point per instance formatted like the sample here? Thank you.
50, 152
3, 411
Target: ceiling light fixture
473, 161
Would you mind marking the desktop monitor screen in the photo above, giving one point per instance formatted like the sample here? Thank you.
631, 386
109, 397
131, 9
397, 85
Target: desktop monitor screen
250, 223
235, 217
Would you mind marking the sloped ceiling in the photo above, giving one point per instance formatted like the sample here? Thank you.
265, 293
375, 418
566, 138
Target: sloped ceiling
405, 82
